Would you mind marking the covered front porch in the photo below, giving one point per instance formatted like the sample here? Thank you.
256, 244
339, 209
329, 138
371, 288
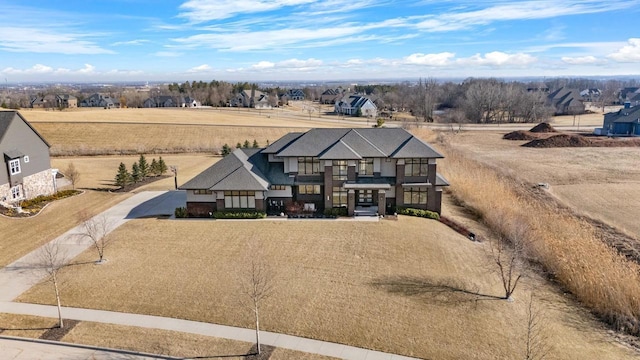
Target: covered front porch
366, 199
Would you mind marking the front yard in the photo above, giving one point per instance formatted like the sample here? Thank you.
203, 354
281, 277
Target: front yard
389, 286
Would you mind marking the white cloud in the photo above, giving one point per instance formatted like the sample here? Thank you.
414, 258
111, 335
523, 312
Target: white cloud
130, 42
36, 40
440, 59
167, 53
581, 60
295, 63
35, 69
263, 65
198, 11
498, 58
201, 68
518, 10
628, 53
88, 69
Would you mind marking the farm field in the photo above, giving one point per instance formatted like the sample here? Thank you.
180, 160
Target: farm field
600, 182
389, 286
98, 172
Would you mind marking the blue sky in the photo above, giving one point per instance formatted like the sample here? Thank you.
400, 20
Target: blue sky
256, 40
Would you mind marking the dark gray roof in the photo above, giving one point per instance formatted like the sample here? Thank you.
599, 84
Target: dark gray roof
357, 144
281, 143
623, 115
13, 154
7, 117
441, 181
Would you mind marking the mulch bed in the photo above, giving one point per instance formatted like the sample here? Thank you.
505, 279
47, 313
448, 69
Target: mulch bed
520, 135
543, 128
571, 140
265, 354
56, 333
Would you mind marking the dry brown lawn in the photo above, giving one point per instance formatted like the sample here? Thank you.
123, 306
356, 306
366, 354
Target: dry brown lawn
374, 285
100, 171
23, 235
154, 341
601, 182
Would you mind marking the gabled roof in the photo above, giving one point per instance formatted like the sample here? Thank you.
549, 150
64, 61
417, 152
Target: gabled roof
8, 117
356, 144
233, 172
623, 115
281, 143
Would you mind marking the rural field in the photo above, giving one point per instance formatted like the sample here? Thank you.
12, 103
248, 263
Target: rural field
398, 286
599, 182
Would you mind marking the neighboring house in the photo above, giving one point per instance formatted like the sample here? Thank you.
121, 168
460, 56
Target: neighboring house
161, 101
251, 98
366, 170
566, 102
26, 170
188, 101
66, 101
624, 122
330, 96
100, 100
354, 105
295, 94
591, 94
43, 102
626, 93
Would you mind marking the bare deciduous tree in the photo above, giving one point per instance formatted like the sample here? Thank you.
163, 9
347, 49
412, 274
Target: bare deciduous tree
508, 255
257, 280
72, 174
96, 229
51, 260
537, 339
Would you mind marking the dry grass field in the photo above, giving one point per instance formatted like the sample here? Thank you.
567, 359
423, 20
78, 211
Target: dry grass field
601, 182
152, 341
390, 286
23, 235
99, 171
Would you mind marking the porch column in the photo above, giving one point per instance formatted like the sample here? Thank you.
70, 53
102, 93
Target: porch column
382, 202
351, 202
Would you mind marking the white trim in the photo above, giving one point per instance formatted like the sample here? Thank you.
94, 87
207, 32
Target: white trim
26, 159
14, 166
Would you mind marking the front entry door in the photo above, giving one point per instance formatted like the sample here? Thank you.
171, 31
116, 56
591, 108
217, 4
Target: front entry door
365, 197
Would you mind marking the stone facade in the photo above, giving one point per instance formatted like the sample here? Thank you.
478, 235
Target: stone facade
41, 183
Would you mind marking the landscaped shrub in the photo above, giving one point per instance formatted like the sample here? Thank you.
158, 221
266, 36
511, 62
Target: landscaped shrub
239, 215
339, 211
419, 213
181, 212
42, 200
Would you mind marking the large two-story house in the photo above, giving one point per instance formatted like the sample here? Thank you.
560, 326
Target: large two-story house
26, 169
368, 170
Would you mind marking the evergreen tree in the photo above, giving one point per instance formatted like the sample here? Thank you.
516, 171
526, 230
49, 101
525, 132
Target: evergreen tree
122, 177
226, 150
154, 167
255, 144
238, 145
246, 144
143, 167
135, 172
162, 167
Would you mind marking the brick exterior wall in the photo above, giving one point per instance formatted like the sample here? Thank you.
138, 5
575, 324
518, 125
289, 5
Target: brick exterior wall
200, 209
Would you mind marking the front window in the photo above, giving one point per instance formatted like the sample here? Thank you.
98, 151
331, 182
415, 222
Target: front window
14, 166
309, 189
340, 169
239, 200
365, 196
415, 167
415, 196
308, 165
365, 167
15, 192
339, 197
278, 187
202, 192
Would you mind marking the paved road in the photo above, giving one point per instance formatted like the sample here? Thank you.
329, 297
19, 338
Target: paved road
22, 274
29, 349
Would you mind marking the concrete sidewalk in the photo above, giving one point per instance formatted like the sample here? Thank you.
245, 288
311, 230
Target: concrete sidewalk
23, 273
193, 327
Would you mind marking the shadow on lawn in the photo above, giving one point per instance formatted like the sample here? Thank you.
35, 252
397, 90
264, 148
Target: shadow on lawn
265, 354
441, 291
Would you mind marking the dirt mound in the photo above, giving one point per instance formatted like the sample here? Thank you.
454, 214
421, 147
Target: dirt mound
543, 128
519, 135
562, 140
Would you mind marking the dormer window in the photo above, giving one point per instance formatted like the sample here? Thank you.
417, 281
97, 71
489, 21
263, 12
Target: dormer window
14, 166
